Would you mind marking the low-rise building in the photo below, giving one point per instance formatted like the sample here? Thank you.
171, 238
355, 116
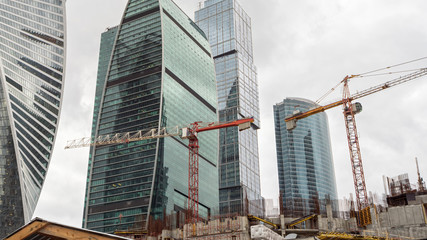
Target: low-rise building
39, 229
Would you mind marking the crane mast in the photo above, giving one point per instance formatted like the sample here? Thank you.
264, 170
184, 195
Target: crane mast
420, 179
350, 110
193, 175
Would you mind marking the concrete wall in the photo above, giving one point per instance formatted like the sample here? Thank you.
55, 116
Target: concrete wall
336, 224
402, 221
404, 232
399, 216
229, 228
419, 200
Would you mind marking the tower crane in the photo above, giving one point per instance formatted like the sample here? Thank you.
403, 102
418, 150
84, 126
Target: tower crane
189, 133
350, 110
420, 179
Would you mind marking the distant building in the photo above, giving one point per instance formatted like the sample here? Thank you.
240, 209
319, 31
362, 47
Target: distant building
32, 61
304, 159
401, 193
228, 28
155, 70
399, 184
271, 209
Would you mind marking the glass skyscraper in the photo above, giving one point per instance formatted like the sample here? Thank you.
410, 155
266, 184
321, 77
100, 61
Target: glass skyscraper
32, 59
155, 70
304, 159
228, 28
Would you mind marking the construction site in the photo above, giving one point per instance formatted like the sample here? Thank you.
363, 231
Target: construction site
401, 214
406, 219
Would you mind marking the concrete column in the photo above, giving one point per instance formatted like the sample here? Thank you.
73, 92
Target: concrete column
330, 216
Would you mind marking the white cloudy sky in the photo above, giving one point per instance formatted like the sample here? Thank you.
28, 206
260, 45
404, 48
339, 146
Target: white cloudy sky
302, 48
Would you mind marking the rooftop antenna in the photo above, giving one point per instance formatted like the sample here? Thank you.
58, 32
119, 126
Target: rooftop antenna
420, 179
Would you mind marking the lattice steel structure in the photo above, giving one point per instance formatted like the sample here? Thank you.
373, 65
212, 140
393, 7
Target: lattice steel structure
350, 110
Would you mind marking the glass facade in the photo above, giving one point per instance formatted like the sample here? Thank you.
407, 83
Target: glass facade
105, 51
304, 159
160, 73
32, 59
228, 29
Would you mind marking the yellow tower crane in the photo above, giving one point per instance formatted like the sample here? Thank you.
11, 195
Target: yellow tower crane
350, 109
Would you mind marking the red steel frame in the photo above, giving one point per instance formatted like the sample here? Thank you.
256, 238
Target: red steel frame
355, 156
193, 164
193, 176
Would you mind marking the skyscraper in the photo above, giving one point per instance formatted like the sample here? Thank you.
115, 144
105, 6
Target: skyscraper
228, 28
304, 159
160, 73
32, 59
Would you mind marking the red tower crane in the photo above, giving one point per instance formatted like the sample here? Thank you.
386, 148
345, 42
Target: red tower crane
189, 133
193, 162
421, 187
350, 110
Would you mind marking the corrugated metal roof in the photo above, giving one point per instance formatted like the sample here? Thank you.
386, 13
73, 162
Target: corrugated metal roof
39, 229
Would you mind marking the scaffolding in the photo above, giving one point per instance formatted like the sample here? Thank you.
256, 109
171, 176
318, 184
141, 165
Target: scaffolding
399, 185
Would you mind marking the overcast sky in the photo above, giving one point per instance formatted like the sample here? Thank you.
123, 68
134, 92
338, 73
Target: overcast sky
302, 48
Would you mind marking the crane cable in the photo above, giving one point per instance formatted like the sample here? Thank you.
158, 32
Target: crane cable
387, 73
329, 92
391, 66
378, 74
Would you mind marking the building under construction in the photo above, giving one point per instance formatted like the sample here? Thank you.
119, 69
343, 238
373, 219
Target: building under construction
397, 222
400, 220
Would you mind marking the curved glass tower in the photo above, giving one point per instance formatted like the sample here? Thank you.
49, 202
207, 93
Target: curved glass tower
32, 59
304, 159
155, 70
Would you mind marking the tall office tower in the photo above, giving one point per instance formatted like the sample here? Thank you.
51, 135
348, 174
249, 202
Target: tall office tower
228, 28
304, 160
160, 73
105, 51
32, 60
